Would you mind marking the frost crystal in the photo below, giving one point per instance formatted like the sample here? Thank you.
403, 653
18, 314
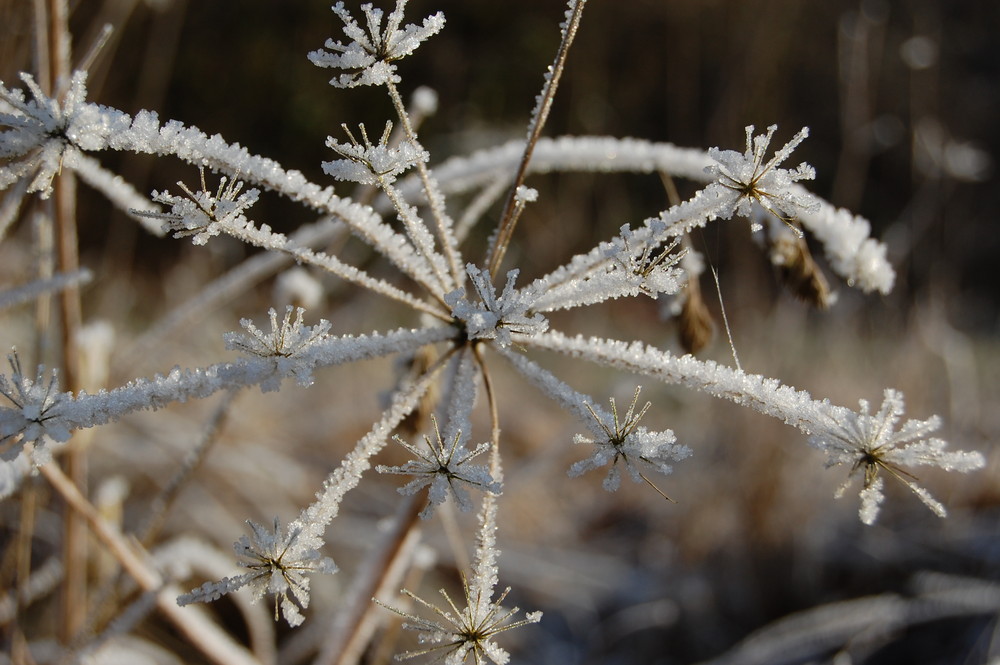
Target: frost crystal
525, 194
369, 164
285, 345
635, 446
278, 562
36, 415
492, 317
753, 180
444, 469
368, 57
870, 443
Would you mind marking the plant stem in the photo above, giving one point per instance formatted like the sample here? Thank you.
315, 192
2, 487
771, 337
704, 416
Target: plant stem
508, 220
55, 15
353, 626
434, 198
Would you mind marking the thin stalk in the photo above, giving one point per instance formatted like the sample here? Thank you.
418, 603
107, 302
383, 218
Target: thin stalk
352, 627
434, 198
239, 279
355, 623
508, 220
75, 544
423, 245
494, 415
261, 237
383, 651
74, 607
22, 556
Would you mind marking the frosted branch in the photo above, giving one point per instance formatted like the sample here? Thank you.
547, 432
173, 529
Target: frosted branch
204, 214
33, 290
113, 187
40, 410
853, 254
865, 441
630, 264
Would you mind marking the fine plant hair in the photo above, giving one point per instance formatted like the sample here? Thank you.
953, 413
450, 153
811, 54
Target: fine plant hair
464, 315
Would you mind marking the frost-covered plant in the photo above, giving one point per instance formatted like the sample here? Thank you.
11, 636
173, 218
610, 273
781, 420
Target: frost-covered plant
33, 414
460, 317
624, 440
458, 633
278, 562
443, 470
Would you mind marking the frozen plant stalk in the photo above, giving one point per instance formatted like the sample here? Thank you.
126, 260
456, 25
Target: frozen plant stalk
466, 315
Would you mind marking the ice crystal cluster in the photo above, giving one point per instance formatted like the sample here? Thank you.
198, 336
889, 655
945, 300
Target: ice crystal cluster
468, 315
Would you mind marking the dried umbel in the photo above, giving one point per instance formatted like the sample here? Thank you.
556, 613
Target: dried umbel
463, 312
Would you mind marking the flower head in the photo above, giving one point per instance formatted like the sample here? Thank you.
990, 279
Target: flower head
635, 446
369, 164
493, 317
278, 562
444, 469
752, 180
457, 634
285, 345
40, 130
652, 272
202, 214
871, 445
368, 58
35, 415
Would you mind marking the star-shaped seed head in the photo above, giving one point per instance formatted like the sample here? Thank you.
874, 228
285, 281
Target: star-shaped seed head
871, 444
368, 164
278, 561
445, 469
35, 416
495, 317
460, 633
751, 179
368, 58
286, 345
623, 440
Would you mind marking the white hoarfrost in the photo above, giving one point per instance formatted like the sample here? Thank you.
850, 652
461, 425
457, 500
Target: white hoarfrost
454, 324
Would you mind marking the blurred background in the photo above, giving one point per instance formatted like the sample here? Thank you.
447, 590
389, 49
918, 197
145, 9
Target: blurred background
902, 101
